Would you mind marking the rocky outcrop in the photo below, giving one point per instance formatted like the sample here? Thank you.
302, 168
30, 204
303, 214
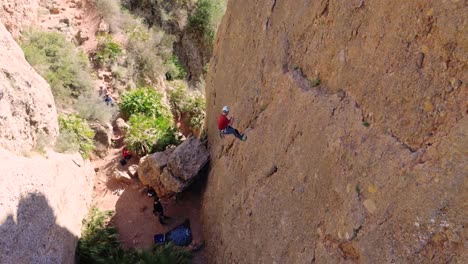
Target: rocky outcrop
27, 108
102, 137
43, 197
173, 170
17, 14
43, 203
369, 166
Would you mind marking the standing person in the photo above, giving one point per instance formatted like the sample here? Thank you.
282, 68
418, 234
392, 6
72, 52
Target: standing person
224, 125
158, 209
108, 99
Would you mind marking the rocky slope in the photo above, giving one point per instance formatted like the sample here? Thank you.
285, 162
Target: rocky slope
15, 15
367, 167
43, 197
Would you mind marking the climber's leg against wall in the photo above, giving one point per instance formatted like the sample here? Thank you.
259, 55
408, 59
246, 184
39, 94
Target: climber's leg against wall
235, 132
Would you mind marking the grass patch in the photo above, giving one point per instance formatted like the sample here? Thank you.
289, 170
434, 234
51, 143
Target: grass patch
99, 244
366, 124
64, 66
75, 135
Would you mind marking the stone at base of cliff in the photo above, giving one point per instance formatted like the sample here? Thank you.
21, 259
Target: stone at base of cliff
173, 170
188, 159
122, 176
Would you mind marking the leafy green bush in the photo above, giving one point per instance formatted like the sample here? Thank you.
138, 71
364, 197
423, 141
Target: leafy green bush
64, 67
143, 101
175, 70
206, 18
98, 240
94, 109
184, 102
75, 135
107, 51
148, 133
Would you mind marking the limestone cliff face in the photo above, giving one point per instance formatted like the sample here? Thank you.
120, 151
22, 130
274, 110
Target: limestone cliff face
43, 199
367, 167
27, 107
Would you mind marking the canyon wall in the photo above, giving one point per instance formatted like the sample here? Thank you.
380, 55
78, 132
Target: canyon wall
356, 117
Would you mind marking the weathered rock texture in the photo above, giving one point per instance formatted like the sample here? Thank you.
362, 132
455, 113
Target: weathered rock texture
43, 203
27, 107
313, 183
42, 199
173, 170
16, 14
102, 137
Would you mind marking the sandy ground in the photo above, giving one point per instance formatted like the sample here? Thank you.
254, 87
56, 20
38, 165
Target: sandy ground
133, 217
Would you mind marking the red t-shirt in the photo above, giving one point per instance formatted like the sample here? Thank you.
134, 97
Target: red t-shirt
223, 122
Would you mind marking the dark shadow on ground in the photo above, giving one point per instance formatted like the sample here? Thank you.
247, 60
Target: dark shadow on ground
33, 235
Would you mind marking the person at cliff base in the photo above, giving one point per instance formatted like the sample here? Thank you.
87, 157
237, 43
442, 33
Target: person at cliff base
224, 125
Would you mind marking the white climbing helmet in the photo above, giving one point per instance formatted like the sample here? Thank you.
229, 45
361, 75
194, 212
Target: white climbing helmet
226, 109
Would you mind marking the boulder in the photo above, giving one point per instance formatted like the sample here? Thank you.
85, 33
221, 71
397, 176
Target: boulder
122, 176
54, 10
151, 167
103, 138
170, 182
173, 170
81, 36
103, 133
188, 159
103, 28
121, 125
132, 170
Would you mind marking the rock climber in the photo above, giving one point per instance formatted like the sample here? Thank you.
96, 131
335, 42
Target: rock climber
224, 125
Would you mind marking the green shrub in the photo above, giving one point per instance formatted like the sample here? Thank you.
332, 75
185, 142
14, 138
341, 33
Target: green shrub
147, 51
148, 133
175, 70
107, 51
99, 244
98, 240
93, 108
64, 67
143, 101
75, 135
206, 18
184, 102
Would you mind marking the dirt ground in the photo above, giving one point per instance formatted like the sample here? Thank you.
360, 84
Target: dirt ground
133, 217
